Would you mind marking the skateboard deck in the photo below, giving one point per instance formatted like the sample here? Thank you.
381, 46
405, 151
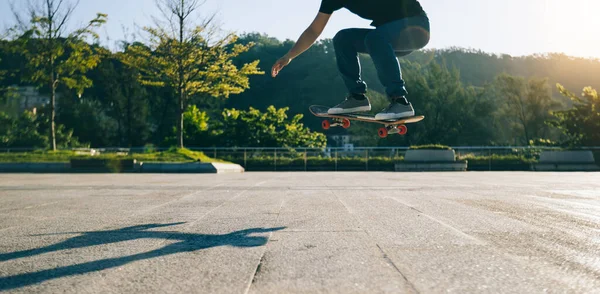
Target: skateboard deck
343, 120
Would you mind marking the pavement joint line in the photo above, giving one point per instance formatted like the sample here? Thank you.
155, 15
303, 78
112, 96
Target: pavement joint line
393, 264
384, 254
455, 230
262, 256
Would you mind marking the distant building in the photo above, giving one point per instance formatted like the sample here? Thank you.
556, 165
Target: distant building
346, 140
340, 140
30, 98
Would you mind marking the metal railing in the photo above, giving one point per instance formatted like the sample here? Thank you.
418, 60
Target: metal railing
480, 158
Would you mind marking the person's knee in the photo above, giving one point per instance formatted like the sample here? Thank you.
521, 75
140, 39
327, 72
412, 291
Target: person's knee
341, 37
412, 38
373, 39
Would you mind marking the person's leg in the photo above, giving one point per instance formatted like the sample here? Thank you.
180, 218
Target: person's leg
398, 38
347, 44
395, 38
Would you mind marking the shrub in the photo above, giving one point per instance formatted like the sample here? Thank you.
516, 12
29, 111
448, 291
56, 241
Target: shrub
430, 147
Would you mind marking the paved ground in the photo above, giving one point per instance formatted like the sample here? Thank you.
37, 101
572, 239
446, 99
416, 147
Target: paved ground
301, 232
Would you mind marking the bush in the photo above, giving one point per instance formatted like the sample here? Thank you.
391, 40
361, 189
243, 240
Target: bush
430, 147
315, 163
511, 162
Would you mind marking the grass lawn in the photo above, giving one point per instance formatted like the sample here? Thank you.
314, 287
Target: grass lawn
171, 155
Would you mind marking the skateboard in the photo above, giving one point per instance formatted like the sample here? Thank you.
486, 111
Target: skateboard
343, 120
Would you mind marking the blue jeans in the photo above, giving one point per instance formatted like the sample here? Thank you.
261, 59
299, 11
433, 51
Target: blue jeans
384, 44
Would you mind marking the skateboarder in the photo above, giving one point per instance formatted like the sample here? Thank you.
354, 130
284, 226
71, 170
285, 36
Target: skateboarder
401, 26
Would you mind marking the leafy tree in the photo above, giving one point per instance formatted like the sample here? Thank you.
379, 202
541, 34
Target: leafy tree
454, 113
29, 130
56, 56
524, 105
196, 129
89, 121
580, 123
272, 128
123, 99
182, 57
21, 132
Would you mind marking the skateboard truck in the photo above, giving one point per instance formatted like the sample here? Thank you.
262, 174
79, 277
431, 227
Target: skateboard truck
392, 129
337, 122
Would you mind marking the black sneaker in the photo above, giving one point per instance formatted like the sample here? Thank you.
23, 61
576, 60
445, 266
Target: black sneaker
353, 103
399, 108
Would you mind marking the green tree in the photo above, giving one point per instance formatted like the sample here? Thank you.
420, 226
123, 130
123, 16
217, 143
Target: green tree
123, 99
56, 56
272, 128
454, 113
21, 132
524, 105
196, 128
182, 57
30, 130
580, 123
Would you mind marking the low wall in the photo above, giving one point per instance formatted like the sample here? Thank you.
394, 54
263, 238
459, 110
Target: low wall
566, 161
424, 155
35, 167
137, 167
210, 168
430, 160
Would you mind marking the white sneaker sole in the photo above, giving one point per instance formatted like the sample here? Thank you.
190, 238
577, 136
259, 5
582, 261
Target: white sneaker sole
349, 110
391, 116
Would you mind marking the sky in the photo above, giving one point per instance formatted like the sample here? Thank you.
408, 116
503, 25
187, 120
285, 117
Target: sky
515, 27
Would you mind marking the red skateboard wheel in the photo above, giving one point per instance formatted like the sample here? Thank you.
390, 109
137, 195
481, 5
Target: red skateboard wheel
346, 123
326, 125
402, 130
383, 133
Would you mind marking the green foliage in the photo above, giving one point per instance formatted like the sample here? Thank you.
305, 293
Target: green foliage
30, 130
195, 131
89, 121
54, 57
122, 104
207, 69
454, 113
466, 108
430, 147
498, 162
543, 143
581, 123
523, 106
184, 61
272, 128
22, 132
171, 155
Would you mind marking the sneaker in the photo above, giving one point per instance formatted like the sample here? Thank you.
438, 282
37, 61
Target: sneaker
352, 105
396, 110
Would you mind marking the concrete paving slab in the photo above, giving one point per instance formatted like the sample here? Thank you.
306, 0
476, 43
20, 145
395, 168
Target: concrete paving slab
300, 233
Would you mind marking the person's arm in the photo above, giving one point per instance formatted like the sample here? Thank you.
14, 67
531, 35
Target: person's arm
306, 40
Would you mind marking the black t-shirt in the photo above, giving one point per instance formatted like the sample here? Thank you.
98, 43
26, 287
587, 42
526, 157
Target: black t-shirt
379, 11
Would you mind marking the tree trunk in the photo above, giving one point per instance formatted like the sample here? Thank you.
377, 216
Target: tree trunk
53, 115
181, 76
180, 124
52, 76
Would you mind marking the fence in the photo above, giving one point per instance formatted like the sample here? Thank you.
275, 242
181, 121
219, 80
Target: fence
482, 158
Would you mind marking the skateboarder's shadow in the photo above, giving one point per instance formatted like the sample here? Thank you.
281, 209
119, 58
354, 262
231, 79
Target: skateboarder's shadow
184, 242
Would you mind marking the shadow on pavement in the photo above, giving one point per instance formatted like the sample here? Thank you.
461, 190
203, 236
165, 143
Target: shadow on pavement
188, 242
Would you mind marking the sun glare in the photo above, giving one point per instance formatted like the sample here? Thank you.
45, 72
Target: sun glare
573, 26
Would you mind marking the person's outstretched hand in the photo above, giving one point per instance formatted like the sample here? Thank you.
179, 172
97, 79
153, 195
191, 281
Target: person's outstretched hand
279, 65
